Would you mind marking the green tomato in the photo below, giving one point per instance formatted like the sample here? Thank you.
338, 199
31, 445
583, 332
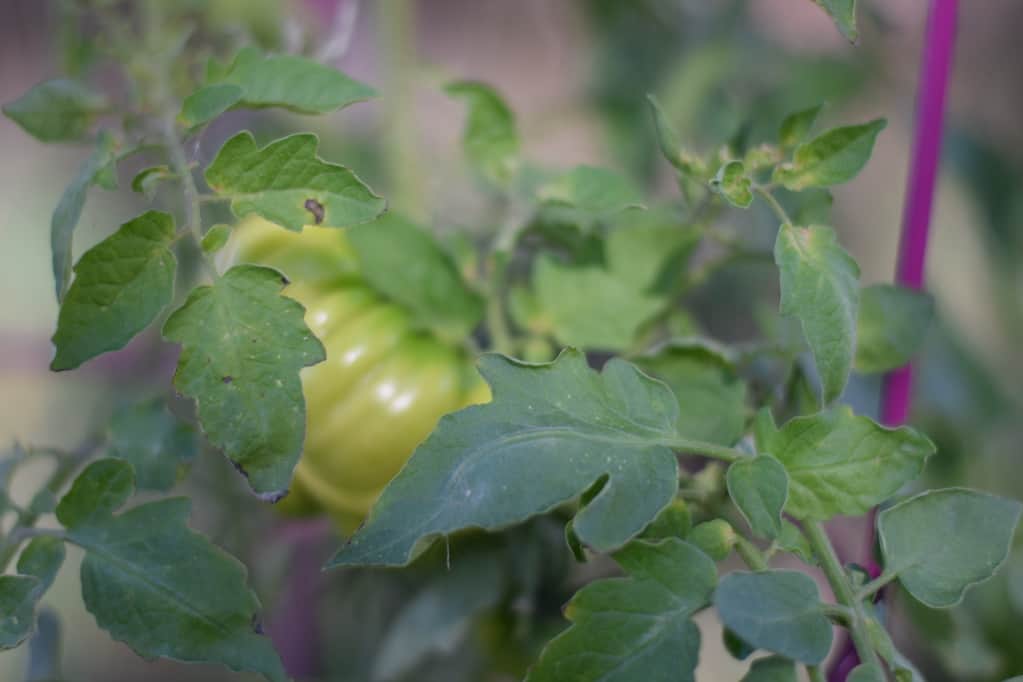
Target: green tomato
384, 384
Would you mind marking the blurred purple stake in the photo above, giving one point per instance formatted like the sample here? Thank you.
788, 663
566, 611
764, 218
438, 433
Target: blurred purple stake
935, 68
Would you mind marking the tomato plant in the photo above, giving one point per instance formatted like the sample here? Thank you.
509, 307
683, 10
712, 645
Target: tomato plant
488, 408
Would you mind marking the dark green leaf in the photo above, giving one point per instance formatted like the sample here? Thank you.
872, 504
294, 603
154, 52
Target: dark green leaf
843, 13
715, 538
146, 180
156, 585
797, 126
841, 463
589, 307
771, 669
638, 627
292, 82
831, 158
69, 210
208, 102
736, 647
779, 611
42, 558
56, 110
598, 192
19, 594
404, 263
549, 434
732, 183
154, 442
820, 286
942, 542
243, 345
286, 183
759, 487
892, 324
120, 286
704, 381
490, 141
438, 618
674, 521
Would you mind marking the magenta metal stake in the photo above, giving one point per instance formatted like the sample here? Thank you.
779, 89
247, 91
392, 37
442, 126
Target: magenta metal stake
935, 68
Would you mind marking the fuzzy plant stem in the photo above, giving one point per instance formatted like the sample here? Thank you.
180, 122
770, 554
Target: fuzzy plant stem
935, 68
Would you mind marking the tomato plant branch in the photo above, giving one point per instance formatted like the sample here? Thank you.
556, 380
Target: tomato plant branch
875, 585
840, 585
699, 447
778, 209
750, 554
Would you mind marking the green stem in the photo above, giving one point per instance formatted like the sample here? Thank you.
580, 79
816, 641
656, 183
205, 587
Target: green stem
871, 588
840, 585
396, 35
752, 555
779, 211
497, 324
699, 447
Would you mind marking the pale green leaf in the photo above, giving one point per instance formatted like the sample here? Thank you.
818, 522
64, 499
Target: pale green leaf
843, 13
146, 180
42, 558
892, 324
866, 672
649, 250
440, 616
589, 307
156, 585
69, 210
792, 540
120, 286
598, 192
57, 110
638, 627
779, 611
759, 487
551, 432
820, 286
797, 126
243, 345
208, 102
771, 669
732, 183
156, 443
706, 385
293, 82
404, 262
831, 158
286, 183
668, 139
216, 238
942, 542
490, 140
841, 463
674, 521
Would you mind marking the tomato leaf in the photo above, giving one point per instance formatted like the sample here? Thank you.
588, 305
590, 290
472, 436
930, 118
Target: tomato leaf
759, 487
732, 183
820, 286
59, 110
649, 250
797, 126
779, 611
638, 627
551, 432
286, 183
891, 327
156, 444
288, 81
120, 286
490, 140
589, 307
841, 463
702, 377
404, 263
594, 192
69, 210
866, 672
146, 180
771, 669
243, 345
156, 585
19, 594
843, 13
831, 158
942, 542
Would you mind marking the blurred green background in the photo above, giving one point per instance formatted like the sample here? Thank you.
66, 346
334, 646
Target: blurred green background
575, 72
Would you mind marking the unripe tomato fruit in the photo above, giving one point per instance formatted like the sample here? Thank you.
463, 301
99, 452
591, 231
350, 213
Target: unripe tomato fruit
383, 385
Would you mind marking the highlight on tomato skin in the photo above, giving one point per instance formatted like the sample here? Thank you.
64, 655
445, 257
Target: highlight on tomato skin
383, 386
